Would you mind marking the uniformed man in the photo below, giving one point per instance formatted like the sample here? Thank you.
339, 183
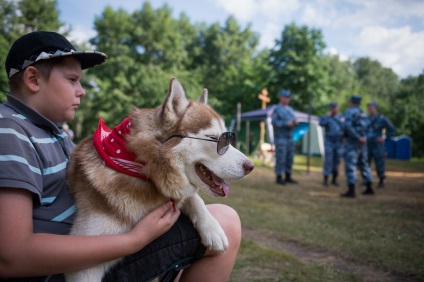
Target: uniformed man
356, 148
333, 123
284, 121
376, 123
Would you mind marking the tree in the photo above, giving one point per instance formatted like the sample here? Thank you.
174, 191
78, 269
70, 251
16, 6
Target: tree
20, 17
228, 65
148, 47
145, 49
407, 114
297, 63
342, 83
376, 82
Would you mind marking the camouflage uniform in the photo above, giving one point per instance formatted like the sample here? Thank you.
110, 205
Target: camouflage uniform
334, 131
376, 150
283, 139
356, 154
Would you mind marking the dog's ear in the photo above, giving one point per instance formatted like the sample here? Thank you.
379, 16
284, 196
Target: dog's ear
204, 97
175, 104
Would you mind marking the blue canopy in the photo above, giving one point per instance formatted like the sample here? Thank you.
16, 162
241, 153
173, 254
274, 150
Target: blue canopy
263, 114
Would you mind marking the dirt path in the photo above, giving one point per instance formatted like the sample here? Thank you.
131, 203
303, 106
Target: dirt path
366, 272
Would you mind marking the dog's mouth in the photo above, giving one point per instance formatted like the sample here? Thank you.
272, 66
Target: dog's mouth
217, 185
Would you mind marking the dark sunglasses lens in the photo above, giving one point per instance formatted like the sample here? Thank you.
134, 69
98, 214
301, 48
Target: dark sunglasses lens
233, 139
225, 140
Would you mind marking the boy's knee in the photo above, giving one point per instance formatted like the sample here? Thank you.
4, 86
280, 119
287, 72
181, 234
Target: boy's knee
229, 220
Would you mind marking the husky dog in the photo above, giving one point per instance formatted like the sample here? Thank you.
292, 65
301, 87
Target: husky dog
171, 152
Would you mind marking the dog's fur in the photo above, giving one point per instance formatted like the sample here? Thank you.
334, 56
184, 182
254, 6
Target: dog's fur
110, 202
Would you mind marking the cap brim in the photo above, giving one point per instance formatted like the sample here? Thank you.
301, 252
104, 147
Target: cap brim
87, 59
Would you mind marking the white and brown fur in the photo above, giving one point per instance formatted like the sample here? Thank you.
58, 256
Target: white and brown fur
109, 202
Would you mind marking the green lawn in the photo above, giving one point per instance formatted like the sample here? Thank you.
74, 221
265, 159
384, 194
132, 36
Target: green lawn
306, 232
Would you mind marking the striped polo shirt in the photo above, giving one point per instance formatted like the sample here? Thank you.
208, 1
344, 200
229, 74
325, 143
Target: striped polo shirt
34, 153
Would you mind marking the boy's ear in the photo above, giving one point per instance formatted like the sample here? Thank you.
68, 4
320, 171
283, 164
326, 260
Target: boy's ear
30, 78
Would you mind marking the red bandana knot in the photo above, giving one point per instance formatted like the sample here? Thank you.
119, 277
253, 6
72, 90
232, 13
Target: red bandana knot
111, 147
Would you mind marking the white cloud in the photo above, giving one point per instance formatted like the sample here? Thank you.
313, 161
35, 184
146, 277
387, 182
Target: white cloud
317, 15
269, 34
250, 10
398, 48
334, 52
242, 10
277, 10
81, 34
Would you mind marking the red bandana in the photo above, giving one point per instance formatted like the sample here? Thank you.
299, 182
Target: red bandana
112, 149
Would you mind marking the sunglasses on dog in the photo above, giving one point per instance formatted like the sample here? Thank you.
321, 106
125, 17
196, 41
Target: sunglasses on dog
223, 142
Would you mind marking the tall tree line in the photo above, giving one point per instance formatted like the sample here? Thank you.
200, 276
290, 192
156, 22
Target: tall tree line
148, 46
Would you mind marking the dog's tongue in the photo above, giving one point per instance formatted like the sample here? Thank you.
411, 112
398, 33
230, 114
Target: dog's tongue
221, 182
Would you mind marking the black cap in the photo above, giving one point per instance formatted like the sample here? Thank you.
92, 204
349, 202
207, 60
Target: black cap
372, 103
356, 98
333, 104
43, 45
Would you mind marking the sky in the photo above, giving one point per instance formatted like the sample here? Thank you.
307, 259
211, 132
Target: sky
390, 31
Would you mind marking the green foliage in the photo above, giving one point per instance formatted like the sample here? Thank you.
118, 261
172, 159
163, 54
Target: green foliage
145, 51
298, 65
376, 83
343, 83
408, 113
228, 67
38, 15
148, 47
20, 17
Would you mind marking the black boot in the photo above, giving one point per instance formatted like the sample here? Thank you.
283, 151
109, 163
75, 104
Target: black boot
289, 179
280, 180
334, 181
350, 192
369, 190
381, 183
325, 183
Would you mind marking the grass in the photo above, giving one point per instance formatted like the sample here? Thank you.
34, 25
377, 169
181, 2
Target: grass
382, 235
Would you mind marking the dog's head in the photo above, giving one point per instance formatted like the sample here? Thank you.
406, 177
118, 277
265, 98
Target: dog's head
193, 149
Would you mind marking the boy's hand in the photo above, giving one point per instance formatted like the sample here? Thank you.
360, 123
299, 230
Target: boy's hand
155, 224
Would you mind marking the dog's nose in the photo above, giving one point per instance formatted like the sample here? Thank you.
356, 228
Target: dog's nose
248, 166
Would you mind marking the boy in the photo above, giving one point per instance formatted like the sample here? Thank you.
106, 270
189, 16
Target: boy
36, 209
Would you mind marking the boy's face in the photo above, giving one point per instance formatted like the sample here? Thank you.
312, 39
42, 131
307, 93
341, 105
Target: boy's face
59, 96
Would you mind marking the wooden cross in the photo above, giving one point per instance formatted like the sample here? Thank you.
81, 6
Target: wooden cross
263, 96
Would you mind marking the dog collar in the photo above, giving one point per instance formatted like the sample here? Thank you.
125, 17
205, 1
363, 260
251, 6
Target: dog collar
111, 147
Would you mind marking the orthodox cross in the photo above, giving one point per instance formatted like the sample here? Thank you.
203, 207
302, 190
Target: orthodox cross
263, 96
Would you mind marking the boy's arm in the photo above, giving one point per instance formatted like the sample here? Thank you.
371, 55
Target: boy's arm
24, 253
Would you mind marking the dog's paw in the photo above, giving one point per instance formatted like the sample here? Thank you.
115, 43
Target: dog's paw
213, 236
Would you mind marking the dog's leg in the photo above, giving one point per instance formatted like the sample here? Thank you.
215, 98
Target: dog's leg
211, 233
